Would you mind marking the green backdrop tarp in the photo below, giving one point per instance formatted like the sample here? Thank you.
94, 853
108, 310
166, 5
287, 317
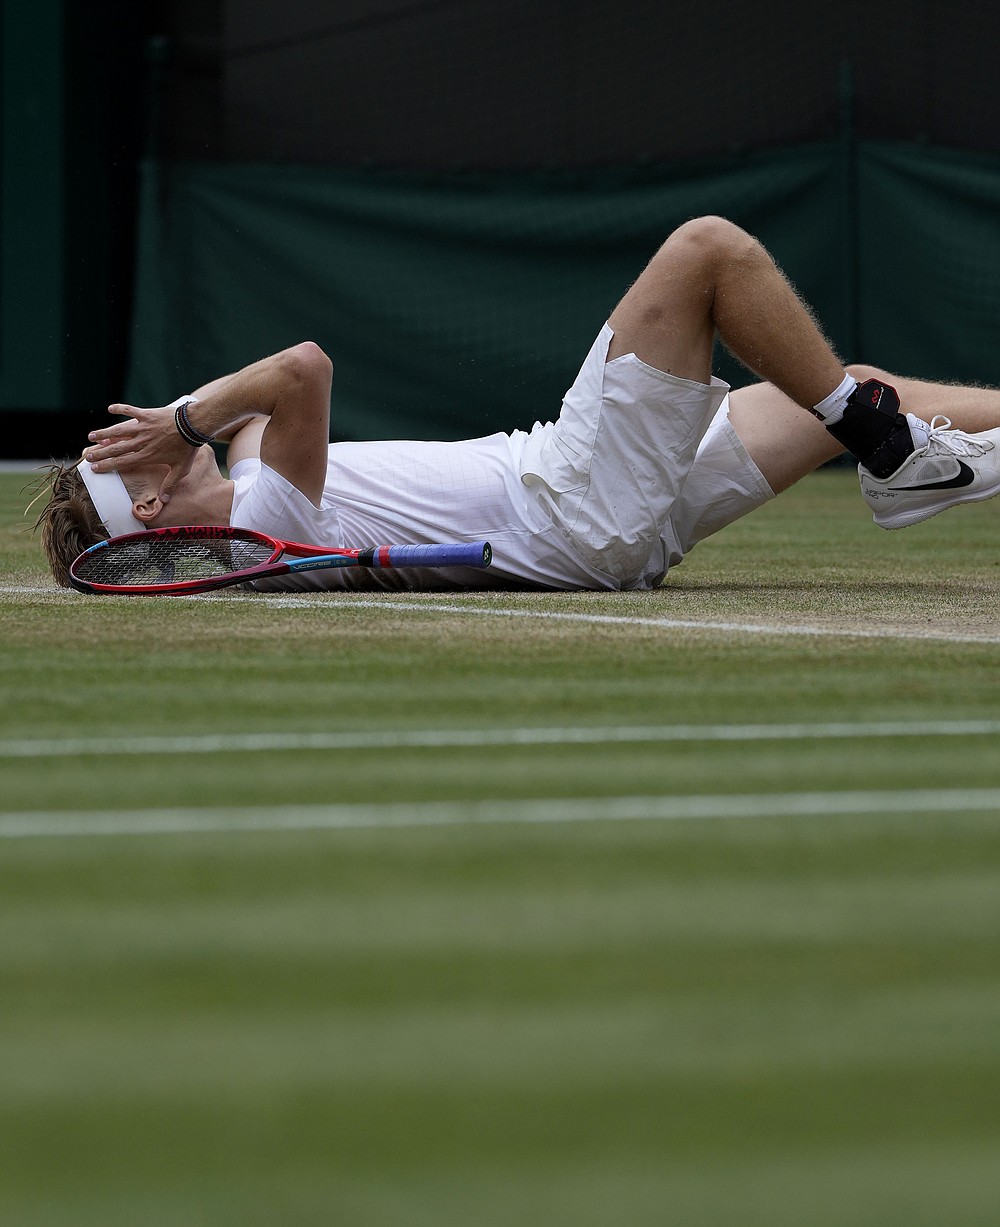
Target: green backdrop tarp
929, 255
464, 304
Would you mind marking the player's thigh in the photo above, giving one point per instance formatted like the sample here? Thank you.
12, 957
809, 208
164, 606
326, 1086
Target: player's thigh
782, 439
665, 319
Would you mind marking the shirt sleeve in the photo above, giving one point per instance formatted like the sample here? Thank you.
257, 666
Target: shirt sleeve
269, 504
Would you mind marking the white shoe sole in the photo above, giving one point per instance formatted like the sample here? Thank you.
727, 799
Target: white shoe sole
904, 518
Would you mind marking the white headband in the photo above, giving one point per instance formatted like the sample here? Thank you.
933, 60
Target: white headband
113, 502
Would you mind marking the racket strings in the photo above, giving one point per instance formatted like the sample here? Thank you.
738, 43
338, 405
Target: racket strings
155, 560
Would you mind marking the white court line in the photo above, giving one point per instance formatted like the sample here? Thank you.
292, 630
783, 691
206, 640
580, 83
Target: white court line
333, 601
401, 739
742, 628
53, 824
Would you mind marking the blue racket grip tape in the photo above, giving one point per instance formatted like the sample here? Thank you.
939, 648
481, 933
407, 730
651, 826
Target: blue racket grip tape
466, 554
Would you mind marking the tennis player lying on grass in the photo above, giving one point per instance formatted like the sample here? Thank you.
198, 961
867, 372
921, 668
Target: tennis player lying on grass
649, 455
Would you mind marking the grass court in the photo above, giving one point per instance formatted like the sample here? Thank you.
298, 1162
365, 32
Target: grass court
677, 908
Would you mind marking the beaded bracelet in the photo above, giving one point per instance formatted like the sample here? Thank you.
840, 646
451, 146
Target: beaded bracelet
190, 434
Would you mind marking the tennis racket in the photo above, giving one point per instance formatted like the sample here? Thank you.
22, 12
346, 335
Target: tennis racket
181, 561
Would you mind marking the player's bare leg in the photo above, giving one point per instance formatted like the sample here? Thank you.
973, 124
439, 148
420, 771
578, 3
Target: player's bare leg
786, 444
712, 277
781, 440
970, 408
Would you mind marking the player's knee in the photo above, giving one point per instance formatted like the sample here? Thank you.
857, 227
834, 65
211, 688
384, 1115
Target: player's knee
862, 371
307, 361
709, 241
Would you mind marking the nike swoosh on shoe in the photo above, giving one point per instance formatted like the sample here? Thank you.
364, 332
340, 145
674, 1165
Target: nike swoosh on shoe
964, 477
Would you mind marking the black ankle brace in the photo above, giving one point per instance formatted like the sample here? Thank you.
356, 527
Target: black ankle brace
872, 428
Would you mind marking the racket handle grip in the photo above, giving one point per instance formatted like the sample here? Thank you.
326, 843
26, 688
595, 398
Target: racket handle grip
465, 554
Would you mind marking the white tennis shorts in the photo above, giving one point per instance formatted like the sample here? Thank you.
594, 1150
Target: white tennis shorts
639, 467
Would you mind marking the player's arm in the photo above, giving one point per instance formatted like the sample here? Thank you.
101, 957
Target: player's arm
289, 390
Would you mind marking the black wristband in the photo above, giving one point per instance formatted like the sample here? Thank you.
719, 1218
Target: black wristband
187, 432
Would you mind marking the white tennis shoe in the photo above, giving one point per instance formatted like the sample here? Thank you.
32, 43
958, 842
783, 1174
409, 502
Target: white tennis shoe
951, 467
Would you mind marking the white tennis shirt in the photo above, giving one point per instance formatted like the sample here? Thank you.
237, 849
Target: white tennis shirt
412, 493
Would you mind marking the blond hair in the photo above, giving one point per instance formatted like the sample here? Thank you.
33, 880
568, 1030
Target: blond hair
69, 521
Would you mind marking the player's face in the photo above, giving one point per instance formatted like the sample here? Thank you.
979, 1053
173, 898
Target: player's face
195, 497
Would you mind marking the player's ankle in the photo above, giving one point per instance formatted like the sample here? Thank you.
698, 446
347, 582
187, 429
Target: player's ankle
872, 428
831, 408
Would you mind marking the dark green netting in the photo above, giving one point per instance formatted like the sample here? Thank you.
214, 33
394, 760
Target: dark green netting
929, 255
463, 304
